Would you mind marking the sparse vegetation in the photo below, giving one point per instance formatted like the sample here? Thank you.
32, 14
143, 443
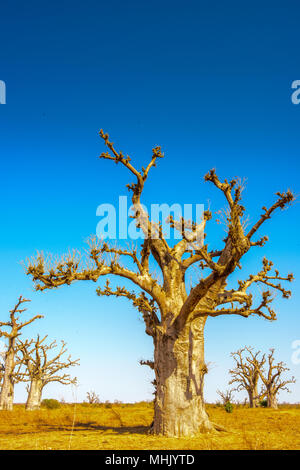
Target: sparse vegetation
100, 428
50, 404
263, 403
228, 407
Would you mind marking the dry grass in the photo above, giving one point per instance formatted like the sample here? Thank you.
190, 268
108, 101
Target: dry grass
126, 427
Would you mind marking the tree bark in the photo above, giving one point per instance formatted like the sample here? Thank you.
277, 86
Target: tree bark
180, 368
7, 390
253, 400
251, 403
34, 395
271, 401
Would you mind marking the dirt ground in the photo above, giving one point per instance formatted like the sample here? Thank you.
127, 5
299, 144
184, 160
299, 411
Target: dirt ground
125, 426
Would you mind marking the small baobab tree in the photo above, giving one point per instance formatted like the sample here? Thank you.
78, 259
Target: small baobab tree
226, 397
272, 379
10, 374
93, 398
245, 375
41, 369
174, 313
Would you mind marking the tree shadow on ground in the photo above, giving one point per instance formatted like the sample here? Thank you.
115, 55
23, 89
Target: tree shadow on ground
89, 426
114, 429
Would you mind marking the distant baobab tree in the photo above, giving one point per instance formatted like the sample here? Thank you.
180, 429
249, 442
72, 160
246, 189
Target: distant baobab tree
41, 370
226, 397
10, 374
175, 314
272, 379
245, 375
249, 369
93, 398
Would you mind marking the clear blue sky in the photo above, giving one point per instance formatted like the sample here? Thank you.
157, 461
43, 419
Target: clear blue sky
210, 83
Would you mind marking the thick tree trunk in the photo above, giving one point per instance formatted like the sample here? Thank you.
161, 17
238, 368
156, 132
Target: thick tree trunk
253, 400
7, 390
272, 401
34, 395
180, 368
251, 403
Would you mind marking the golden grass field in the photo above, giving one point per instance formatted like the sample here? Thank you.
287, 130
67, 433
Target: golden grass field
125, 426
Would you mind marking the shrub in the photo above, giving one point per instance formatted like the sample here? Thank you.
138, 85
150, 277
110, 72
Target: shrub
263, 403
228, 407
50, 404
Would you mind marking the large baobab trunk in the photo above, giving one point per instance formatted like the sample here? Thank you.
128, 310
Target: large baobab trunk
180, 368
272, 401
253, 398
7, 395
10, 397
34, 395
7, 391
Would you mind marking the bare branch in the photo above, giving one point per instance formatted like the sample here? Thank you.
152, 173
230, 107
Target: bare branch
246, 372
40, 366
227, 396
147, 363
141, 302
283, 200
245, 299
48, 274
272, 378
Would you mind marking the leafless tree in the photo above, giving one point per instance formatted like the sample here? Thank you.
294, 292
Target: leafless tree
93, 398
227, 396
41, 370
11, 364
174, 314
246, 373
272, 379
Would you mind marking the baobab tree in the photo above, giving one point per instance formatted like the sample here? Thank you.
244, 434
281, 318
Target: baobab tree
272, 379
93, 398
175, 314
10, 374
41, 370
226, 397
246, 373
